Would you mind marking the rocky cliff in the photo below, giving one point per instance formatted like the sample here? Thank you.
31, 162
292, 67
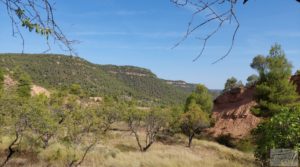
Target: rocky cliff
232, 112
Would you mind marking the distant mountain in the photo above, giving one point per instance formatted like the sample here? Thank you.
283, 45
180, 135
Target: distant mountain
59, 71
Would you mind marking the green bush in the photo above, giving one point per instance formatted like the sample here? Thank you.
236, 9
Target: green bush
280, 131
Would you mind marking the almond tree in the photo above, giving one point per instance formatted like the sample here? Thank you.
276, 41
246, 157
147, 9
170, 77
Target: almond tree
197, 112
193, 121
83, 133
148, 122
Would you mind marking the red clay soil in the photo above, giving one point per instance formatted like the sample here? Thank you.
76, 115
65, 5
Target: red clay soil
296, 80
232, 112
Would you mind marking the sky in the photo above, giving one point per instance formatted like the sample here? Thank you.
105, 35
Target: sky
143, 32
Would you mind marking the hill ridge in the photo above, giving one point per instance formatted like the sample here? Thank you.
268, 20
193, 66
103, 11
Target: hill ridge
58, 71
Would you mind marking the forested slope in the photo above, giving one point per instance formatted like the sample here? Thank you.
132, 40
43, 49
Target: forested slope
58, 71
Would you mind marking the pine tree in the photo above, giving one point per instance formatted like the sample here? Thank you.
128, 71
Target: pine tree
274, 89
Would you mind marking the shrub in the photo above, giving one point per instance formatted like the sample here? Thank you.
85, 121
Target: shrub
280, 131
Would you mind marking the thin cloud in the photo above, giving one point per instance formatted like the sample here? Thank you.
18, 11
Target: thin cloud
284, 34
129, 13
293, 52
169, 34
112, 13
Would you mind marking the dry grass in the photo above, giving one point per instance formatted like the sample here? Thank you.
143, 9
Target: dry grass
119, 149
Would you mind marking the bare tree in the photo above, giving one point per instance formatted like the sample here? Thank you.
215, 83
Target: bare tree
37, 16
220, 11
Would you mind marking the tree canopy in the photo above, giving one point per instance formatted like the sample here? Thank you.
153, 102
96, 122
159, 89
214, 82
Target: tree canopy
232, 83
197, 112
201, 97
274, 89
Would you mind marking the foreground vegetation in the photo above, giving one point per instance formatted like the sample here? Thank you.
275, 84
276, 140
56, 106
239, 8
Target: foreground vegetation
119, 148
70, 129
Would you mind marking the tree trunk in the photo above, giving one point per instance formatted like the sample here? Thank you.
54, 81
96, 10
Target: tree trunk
11, 150
85, 153
191, 136
138, 140
147, 146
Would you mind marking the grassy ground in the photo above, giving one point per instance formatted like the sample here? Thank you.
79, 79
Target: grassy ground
119, 149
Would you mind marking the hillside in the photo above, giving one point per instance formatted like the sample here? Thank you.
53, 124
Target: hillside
59, 71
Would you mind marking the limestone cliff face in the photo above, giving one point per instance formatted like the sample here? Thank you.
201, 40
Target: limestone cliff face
232, 113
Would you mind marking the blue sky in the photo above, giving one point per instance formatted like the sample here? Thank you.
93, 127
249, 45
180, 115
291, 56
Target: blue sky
142, 33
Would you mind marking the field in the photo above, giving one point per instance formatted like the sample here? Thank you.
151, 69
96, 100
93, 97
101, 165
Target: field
119, 149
